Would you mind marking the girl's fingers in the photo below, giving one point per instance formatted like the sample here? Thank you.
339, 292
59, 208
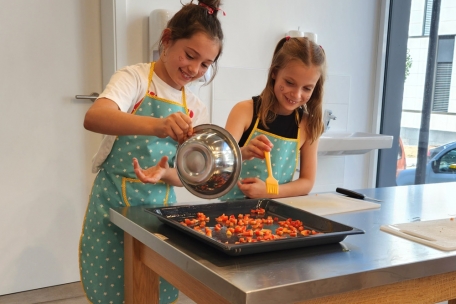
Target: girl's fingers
163, 162
264, 139
136, 165
256, 151
181, 126
259, 145
138, 171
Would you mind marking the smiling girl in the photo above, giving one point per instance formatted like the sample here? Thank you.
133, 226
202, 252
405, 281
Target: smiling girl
286, 120
145, 111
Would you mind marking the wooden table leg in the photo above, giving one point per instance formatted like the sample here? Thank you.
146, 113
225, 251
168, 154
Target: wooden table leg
158, 264
142, 266
141, 283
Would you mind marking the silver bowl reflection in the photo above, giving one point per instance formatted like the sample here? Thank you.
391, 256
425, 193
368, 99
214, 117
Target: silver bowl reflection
209, 163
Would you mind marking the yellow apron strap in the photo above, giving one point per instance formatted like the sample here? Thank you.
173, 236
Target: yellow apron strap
151, 73
253, 130
184, 100
299, 125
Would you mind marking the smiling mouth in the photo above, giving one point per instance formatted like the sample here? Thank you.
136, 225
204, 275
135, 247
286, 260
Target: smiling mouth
185, 75
291, 101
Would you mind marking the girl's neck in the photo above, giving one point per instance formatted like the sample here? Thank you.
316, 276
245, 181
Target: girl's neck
160, 71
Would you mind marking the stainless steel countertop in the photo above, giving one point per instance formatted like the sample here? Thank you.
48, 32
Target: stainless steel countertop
361, 261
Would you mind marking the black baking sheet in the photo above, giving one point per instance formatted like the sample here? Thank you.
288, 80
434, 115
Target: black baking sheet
332, 232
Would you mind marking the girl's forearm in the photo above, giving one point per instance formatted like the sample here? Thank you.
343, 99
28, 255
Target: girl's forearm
115, 122
298, 187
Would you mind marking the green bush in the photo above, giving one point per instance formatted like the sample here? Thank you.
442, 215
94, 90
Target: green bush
408, 64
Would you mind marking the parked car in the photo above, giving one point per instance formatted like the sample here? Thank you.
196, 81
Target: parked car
440, 168
432, 152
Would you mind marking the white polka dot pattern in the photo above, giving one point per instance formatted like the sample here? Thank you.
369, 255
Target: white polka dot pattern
284, 158
101, 249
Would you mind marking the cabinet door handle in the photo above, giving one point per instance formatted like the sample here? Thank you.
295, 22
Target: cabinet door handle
92, 96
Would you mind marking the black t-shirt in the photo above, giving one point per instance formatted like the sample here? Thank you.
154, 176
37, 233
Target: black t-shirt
284, 125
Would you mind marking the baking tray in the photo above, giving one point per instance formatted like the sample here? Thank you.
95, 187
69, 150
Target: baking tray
331, 231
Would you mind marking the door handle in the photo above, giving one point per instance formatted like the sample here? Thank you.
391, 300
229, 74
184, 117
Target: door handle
92, 96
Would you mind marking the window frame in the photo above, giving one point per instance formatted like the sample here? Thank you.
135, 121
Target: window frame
393, 88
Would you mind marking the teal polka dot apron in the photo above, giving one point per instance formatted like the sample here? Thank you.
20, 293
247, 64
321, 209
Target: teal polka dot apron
101, 249
284, 159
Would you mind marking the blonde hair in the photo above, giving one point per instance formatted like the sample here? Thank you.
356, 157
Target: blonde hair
310, 54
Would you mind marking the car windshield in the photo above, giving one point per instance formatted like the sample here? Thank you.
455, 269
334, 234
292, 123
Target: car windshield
433, 152
447, 162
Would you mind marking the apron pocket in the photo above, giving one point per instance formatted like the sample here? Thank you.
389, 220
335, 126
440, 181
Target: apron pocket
136, 193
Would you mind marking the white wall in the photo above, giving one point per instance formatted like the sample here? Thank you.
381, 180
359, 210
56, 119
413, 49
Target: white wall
50, 51
347, 30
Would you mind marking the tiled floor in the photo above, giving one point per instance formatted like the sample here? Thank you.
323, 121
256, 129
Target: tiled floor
61, 294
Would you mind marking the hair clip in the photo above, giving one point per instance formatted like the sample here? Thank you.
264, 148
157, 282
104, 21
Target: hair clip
287, 38
210, 10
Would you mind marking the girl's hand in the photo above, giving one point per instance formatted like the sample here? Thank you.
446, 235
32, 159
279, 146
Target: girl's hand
178, 126
253, 187
154, 174
256, 148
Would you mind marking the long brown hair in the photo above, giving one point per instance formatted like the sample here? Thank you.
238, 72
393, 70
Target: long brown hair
310, 54
196, 18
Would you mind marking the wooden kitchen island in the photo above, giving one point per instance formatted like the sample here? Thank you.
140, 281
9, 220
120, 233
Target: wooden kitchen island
375, 267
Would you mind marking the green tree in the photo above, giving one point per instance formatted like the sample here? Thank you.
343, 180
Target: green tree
408, 64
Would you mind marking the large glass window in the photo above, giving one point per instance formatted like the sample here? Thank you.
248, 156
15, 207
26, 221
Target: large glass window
427, 119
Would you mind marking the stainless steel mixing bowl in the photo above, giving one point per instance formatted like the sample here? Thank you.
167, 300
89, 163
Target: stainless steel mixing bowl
209, 163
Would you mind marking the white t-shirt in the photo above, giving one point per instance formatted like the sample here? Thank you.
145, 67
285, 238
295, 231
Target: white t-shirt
128, 86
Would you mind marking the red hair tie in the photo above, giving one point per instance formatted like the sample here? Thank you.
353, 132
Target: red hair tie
210, 10
287, 38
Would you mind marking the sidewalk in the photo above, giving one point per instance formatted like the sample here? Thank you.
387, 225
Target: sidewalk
411, 162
